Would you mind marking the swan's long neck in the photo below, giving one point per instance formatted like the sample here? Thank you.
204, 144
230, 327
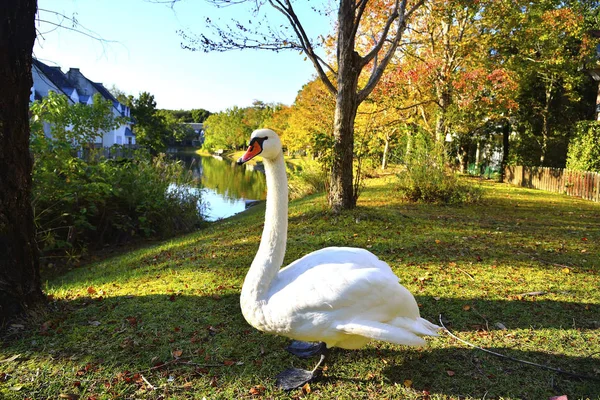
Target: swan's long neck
269, 258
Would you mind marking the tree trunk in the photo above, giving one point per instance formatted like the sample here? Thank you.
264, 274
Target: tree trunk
20, 287
505, 149
545, 121
341, 190
386, 148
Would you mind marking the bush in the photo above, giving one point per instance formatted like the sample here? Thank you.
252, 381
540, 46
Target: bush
584, 148
427, 179
307, 178
80, 203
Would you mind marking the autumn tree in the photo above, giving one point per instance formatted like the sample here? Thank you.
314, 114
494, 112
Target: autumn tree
356, 52
545, 44
310, 120
20, 287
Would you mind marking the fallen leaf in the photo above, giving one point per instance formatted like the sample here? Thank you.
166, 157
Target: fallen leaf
187, 385
257, 390
91, 290
94, 323
466, 307
177, 353
500, 326
407, 383
213, 381
437, 241
306, 388
566, 270
563, 397
450, 373
228, 363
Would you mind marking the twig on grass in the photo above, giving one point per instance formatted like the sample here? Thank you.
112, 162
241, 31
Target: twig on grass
466, 273
560, 371
151, 386
540, 293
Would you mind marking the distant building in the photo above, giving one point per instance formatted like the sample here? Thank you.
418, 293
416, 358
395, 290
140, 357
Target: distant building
198, 128
80, 89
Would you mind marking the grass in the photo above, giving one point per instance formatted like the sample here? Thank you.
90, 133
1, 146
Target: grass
168, 315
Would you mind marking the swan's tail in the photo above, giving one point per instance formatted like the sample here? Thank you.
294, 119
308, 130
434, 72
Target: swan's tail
401, 330
419, 326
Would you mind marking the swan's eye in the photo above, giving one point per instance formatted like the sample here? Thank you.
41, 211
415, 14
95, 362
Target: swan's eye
258, 140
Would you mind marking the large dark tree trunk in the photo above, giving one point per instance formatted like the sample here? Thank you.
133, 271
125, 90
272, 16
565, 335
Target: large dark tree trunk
341, 189
19, 260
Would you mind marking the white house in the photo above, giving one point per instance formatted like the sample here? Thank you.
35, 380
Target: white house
80, 89
198, 128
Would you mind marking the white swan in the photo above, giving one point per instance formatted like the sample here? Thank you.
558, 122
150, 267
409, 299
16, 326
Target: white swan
341, 296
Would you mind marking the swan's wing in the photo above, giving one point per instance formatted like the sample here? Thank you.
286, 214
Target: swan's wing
346, 282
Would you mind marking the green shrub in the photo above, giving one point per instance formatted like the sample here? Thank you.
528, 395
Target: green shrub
307, 178
80, 203
584, 147
428, 179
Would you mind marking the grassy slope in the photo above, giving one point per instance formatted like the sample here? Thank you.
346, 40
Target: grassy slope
114, 320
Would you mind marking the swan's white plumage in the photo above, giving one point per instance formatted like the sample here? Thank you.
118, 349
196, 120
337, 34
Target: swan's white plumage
342, 296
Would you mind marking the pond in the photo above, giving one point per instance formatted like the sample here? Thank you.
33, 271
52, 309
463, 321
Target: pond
227, 188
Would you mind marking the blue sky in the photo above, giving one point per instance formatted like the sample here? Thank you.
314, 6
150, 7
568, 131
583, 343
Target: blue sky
146, 55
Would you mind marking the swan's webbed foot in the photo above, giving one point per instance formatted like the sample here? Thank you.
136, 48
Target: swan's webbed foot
294, 378
306, 349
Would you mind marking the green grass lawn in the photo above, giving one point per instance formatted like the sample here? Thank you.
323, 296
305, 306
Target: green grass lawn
167, 317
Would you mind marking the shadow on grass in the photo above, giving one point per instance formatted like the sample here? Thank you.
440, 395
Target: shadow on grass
459, 372
133, 333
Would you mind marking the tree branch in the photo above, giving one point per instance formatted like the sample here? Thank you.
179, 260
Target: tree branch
376, 74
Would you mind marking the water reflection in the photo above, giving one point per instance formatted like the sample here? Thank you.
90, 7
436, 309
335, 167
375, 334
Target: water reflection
227, 188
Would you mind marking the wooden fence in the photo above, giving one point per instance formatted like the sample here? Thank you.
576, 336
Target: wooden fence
573, 183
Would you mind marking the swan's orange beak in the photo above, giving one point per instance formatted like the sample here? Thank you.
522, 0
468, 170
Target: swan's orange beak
254, 150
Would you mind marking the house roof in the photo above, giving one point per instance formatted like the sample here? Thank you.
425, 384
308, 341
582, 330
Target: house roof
61, 80
104, 92
56, 77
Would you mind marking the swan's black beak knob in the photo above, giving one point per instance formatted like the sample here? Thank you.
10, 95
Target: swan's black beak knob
240, 161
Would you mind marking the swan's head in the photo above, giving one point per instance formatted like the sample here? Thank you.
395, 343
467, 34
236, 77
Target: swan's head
264, 142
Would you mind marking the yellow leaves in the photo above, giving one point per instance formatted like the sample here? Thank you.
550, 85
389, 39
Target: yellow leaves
566, 270
408, 383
